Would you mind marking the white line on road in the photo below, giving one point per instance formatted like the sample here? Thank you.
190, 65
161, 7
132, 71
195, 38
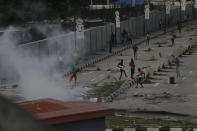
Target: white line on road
156, 84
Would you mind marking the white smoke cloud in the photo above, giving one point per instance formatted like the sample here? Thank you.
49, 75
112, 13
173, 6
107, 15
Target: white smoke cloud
38, 77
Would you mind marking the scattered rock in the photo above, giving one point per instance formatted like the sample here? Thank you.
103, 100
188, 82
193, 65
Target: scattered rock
98, 69
148, 50
138, 95
150, 97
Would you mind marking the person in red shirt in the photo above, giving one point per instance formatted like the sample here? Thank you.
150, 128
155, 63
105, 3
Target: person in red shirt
73, 73
132, 66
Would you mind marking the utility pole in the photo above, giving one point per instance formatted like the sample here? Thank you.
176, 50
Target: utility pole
165, 16
107, 2
180, 13
115, 23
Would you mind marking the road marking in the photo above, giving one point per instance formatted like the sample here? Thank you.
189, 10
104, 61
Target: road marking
156, 84
183, 78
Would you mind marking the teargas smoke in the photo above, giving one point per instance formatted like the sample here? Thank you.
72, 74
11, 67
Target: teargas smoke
39, 67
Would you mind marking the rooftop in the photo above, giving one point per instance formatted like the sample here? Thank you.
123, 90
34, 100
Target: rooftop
57, 112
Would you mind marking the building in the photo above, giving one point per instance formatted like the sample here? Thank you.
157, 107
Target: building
69, 116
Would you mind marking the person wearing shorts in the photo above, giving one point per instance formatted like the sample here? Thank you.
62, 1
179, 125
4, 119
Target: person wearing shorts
140, 77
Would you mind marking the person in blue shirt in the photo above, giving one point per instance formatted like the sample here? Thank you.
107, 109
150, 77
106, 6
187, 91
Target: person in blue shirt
177, 65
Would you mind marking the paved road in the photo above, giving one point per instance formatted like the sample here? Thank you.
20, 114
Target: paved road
180, 97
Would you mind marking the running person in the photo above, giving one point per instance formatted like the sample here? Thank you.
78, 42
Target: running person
121, 65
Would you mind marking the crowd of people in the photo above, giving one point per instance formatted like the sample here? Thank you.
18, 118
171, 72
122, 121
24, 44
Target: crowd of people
128, 39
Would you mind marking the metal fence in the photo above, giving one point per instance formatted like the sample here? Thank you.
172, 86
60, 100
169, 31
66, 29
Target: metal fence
97, 38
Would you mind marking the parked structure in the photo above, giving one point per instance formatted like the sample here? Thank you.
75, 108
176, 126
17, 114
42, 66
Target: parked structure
69, 116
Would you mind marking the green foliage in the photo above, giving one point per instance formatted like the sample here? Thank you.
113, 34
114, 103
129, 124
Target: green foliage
13, 11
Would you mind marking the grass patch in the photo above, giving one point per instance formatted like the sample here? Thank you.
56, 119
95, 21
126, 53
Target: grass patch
132, 122
106, 90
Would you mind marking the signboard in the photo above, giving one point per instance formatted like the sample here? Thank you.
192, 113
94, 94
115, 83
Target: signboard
195, 5
117, 19
183, 5
79, 29
168, 7
133, 3
147, 12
